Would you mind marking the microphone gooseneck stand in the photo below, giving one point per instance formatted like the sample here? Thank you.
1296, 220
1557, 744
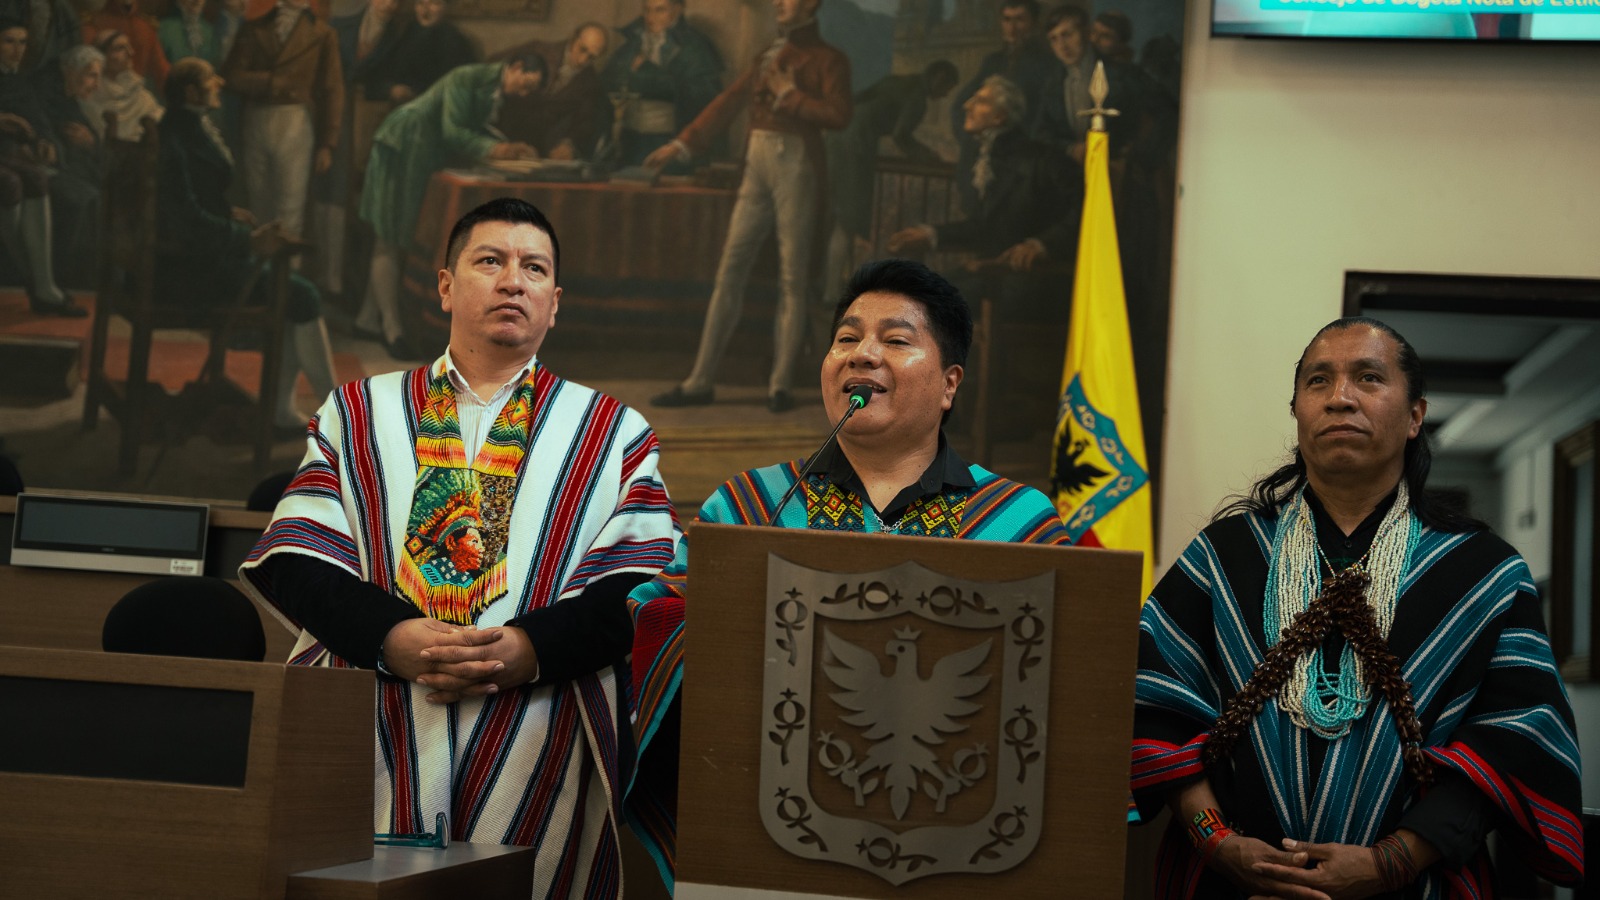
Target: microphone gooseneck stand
860, 395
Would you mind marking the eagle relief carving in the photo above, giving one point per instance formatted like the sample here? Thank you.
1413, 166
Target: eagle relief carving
905, 717
907, 736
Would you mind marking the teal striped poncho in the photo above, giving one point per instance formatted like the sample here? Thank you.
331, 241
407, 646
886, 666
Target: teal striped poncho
1467, 633
993, 509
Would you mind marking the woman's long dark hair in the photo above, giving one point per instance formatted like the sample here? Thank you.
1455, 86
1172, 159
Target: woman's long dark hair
1269, 494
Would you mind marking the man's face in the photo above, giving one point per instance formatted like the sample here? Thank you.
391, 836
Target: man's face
466, 550
885, 341
84, 81
429, 12
983, 111
1015, 24
13, 46
585, 47
792, 12
119, 56
501, 292
516, 81
1103, 38
1350, 408
1066, 42
659, 15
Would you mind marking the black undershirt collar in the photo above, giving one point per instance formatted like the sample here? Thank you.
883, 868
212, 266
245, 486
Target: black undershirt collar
1341, 549
946, 469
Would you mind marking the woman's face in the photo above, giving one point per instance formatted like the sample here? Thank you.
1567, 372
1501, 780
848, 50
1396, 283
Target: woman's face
119, 56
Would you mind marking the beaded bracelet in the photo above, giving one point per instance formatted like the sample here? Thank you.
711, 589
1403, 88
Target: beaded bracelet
1396, 868
1207, 831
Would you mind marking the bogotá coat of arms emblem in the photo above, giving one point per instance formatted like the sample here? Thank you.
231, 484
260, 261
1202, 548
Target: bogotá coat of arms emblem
903, 718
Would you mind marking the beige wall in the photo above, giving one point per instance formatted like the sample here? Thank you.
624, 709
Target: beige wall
1299, 161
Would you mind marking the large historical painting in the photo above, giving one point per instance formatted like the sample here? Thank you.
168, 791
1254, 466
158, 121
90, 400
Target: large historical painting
714, 171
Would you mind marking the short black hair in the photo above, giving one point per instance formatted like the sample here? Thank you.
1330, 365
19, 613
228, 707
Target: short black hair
1271, 492
502, 209
947, 311
185, 73
7, 23
1062, 13
531, 61
1119, 23
1032, 6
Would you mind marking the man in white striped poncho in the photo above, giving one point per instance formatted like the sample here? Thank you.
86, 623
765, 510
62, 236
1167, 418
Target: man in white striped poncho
490, 595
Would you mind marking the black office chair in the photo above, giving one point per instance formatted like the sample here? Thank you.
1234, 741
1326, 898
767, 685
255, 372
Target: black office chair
185, 616
10, 479
265, 495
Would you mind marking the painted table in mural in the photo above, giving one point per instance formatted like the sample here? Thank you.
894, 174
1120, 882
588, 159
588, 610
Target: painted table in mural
670, 233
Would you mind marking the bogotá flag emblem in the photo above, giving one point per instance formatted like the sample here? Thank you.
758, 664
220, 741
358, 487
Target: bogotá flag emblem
1100, 473
1093, 466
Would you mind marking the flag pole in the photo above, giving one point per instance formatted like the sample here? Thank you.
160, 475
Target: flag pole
1099, 90
1100, 476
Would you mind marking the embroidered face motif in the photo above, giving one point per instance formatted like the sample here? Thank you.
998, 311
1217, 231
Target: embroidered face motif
1351, 408
466, 550
501, 292
885, 340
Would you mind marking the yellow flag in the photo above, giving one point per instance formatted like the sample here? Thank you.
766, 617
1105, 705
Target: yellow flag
1100, 476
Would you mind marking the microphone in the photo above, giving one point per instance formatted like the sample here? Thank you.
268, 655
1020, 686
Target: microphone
860, 396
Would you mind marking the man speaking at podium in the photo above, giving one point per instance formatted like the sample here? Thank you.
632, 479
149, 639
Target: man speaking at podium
900, 337
471, 529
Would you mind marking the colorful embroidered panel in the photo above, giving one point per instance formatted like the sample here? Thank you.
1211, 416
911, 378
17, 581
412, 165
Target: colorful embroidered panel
455, 561
832, 508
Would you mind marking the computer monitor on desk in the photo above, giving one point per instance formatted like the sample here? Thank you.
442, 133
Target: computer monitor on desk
125, 535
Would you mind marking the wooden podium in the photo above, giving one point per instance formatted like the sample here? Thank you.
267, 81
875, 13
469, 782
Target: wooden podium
110, 784
762, 600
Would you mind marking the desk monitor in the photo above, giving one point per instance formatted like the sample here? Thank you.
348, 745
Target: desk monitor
109, 535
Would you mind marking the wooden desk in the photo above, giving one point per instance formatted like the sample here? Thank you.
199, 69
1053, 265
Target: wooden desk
64, 609
178, 778
479, 871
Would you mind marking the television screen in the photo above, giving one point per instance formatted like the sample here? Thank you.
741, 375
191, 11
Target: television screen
1466, 20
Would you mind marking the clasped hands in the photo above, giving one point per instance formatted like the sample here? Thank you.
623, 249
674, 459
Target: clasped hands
1335, 872
457, 661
